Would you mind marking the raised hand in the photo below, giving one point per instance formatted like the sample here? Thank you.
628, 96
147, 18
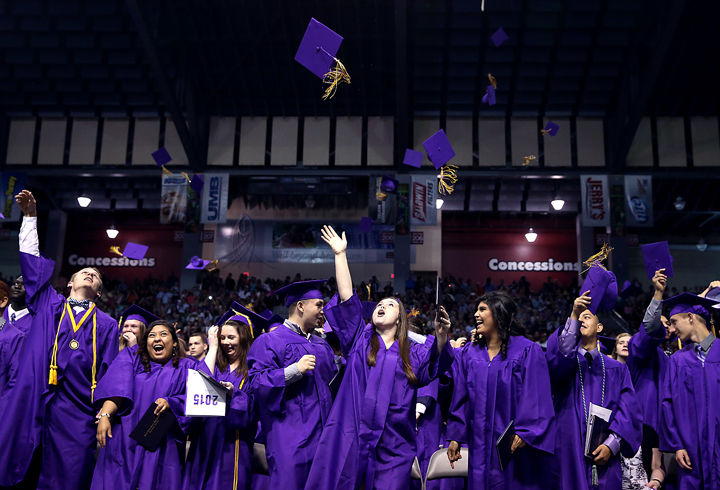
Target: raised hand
659, 281
213, 337
27, 203
580, 304
130, 338
337, 243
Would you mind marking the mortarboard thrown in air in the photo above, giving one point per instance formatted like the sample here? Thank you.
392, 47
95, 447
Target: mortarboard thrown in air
440, 152
317, 52
388, 184
132, 250
197, 263
690, 303
499, 37
298, 291
657, 256
551, 128
134, 312
489, 97
196, 183
413, 158
162, 157
366, 224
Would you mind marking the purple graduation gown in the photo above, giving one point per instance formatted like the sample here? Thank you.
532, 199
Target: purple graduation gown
570, 466
60, 418
647, 363
123, 464
12, 336
691, 417
487, 395
370, 434
292, 416
219, 445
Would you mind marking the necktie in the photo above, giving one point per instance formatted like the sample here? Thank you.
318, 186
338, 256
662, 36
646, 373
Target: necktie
589, 359
85, 304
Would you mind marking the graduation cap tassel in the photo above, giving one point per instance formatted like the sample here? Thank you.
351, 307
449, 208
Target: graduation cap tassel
116, 250
166, 171
334, 78
448, 179
212, 265
187, 177
598, 258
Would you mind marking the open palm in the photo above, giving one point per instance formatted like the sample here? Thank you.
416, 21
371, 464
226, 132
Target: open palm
337, 243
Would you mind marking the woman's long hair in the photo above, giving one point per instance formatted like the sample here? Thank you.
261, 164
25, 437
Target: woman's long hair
123, 342
246, 341
503, 309
401, 335
177, 352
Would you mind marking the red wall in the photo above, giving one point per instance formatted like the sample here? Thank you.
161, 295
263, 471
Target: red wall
471, 241
86, 237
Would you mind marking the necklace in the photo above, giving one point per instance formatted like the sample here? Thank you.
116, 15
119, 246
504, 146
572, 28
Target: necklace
593, 472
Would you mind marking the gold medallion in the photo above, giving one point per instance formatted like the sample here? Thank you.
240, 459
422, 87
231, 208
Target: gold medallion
74, 344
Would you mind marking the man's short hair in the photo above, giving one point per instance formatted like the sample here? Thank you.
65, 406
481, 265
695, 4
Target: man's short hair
198, 333
97, 271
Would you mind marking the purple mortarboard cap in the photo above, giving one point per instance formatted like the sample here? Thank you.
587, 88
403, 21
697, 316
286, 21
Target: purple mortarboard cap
135, 251
603, 289
489, 97
690, 303
318, 48
388, 184
499, 37
606, 344
134, 312
366, 224
300, 290
713, 294
368, 307
197, 183
2, 216
332, 302
161, 156
271, 317
657, 256
413, 158
551, 128
197, 263
438, 149
626, 285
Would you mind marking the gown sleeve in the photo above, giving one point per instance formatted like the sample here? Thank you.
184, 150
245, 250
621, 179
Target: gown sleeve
267, 374
459, 412
626, 421
535, 412
119, 382
346, 320
669, 434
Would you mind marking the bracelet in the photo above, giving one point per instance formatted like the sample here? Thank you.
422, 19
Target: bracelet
655, 479
101, 415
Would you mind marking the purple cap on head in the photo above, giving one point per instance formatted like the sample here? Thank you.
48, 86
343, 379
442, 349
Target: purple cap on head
602, 285
197, 263
489, 97
366, 224
135, 251
657, 256
499, 37
161, 157
318, 48
690, 303
551, 128
197, 183
388, 184
438, 149
134, 312
413, 158
298, 291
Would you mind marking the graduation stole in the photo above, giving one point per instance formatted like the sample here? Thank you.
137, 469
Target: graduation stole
237, 442
52, 376
252, 335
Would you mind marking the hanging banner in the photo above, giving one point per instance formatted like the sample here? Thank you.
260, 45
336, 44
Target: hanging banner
422, 200
638, 200
173, 199
595, 200
10, 184
215, 198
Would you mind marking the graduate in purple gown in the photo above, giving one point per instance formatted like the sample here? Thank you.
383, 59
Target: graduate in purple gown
66, 351
690, 393
155, 372
582, 375
290, 370
501, 378
133, 325
369, 439
221, 448
17, 319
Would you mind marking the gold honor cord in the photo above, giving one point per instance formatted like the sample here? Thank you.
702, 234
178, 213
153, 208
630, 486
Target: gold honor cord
237, 441
52, 375
448, 178
335, 77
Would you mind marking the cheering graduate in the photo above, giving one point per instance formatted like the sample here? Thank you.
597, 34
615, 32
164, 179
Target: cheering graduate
17, 322
290, 370
499, 379
155, 372
583, 378
690, 393
369, 439
134, 321
66, 351
221, 450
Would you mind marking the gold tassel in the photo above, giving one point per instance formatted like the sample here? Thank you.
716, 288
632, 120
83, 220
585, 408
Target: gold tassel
448, 178
413, 312
492, 80
544, 132
52, 379
334, 78
598, 258
369, 290
380, 195
115, 250
212, 265
187, 177
166, 171
679, 345
527, 160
